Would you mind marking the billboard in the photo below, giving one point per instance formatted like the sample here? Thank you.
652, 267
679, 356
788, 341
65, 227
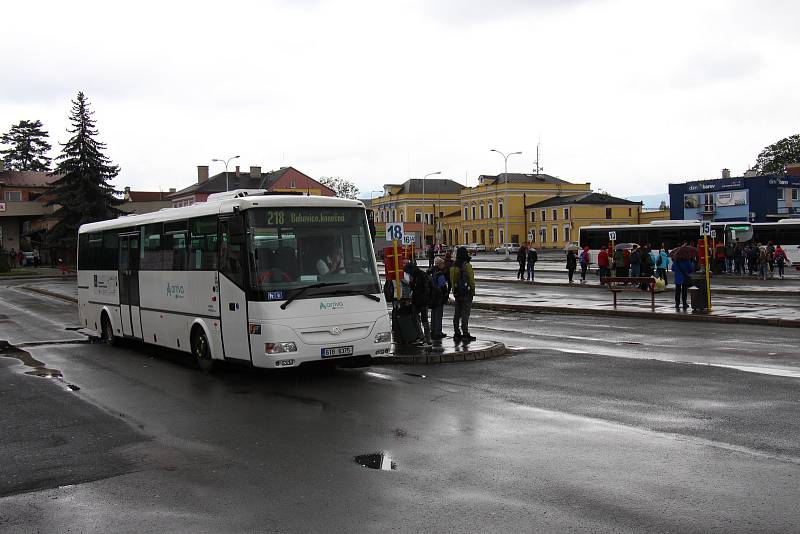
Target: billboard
731, 198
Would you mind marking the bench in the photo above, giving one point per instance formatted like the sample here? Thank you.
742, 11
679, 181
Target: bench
631, 283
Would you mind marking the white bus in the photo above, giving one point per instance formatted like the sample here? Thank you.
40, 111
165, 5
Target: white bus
272, 281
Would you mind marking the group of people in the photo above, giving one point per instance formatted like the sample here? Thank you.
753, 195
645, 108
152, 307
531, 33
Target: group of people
636, 261
753, 258
424, 290
527, 258
20, 259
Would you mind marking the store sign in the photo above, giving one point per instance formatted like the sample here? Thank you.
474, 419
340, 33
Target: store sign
715, 185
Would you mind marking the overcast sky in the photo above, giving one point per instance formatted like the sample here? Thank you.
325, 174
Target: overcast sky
625, 94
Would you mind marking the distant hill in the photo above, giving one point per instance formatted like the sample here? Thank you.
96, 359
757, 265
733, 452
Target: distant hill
650, 201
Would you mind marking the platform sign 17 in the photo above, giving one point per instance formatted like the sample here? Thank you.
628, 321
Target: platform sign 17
394, 231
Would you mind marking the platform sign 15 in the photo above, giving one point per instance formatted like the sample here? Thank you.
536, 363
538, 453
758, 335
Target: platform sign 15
705, 228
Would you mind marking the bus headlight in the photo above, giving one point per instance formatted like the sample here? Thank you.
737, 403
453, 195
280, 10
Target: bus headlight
275, 348
383, 337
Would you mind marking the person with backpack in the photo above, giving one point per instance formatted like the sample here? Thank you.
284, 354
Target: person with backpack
770, 251
440, 291
780, 259
584, 260
662, 263
522, 257
635, 259
462, 282
420, 298
533, 257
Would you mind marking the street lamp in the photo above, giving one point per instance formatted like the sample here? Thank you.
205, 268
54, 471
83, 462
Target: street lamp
225, 161
423, 208
505, 201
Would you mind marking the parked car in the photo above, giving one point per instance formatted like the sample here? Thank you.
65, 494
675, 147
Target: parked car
27, 258
512, 248
474, 248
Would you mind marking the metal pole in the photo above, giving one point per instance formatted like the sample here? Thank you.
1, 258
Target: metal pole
505, 201
423, 207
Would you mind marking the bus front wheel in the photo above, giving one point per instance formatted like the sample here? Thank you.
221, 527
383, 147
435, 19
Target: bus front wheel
201, 350
108, 331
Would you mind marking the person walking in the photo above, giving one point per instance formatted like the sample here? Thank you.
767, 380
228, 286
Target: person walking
431, 256
584, 260
420, 299
602, 265
440, 291
12, 258
462, 282
522, 256
738, 258
36, 257
780, 259
572, 264
770, 257
763, 263
531, 263
683, 269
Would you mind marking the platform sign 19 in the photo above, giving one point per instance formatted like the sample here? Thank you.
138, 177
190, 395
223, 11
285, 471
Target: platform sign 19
705, 228
612, 236
394, 231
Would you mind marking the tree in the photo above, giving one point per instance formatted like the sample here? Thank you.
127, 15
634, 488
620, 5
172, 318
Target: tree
343, 187
28, 146
774, 158
82, 191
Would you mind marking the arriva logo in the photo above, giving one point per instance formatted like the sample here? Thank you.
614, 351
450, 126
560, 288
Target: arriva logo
175, 290
331, 305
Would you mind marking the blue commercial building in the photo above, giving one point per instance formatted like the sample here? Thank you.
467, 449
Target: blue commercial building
765, 198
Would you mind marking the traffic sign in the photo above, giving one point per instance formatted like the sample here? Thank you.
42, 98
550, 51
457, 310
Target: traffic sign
705, 228
394, 231
612, 236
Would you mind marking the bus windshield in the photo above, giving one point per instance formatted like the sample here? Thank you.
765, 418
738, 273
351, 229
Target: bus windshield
294, 247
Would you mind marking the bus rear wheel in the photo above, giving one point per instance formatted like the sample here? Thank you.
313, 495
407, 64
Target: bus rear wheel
201, 351
108, 331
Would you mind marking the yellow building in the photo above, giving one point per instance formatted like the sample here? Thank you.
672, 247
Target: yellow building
556, 221
419, 203
649, 216
494, 208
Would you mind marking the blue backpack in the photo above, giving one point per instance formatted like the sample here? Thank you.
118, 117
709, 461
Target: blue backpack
462, 283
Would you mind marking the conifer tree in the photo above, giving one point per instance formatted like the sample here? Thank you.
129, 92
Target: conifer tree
28, 147
82, 192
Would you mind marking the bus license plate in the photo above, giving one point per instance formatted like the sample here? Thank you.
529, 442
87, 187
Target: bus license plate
337, 351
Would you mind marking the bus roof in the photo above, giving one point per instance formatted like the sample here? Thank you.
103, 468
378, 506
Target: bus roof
224, 205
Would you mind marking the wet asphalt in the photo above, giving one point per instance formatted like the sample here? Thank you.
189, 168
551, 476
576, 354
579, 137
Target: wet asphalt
589, 424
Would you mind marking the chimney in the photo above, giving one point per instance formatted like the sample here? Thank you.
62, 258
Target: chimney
726, 173
202, 173
172, 190
237, 170
255, 172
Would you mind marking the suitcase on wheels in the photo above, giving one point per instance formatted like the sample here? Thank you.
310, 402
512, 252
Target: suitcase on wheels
699, 299
405, 328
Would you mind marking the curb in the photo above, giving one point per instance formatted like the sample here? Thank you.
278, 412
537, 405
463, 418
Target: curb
701, 316
495, 351
34, 277
47, 293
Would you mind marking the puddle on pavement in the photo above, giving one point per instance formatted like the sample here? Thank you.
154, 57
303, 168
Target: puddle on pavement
376, 460
415, 375
39, 368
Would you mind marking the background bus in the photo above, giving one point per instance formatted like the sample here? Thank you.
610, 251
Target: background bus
273, 281
670, 233
785, 233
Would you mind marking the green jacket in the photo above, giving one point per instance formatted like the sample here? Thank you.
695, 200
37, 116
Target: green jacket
470, 278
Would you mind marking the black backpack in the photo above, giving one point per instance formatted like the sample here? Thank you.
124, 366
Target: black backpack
438, 288
461, 289
420, 288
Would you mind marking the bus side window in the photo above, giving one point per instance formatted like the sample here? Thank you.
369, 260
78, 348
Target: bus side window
231, 254
203, 244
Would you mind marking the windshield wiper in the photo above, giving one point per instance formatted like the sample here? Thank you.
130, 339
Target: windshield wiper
362, 293
301, 290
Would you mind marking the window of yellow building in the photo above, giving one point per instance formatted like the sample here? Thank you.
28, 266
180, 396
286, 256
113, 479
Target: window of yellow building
490, 210
566, 214
555, 214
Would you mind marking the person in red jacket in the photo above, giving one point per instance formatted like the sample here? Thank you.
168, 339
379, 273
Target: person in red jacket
602, 265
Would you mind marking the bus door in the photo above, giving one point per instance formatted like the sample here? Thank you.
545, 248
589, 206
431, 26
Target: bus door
232, 299
129, 285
